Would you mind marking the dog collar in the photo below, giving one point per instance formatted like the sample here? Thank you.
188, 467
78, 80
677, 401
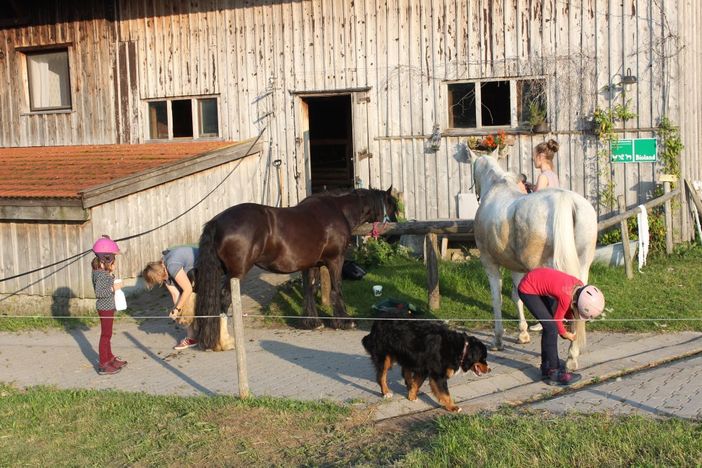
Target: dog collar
463, 354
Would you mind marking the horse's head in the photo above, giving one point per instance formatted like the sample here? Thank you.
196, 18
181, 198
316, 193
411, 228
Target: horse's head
379, 205
486, 171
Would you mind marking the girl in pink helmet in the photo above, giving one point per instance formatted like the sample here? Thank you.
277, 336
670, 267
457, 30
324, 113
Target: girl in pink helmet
103, 264
552, 296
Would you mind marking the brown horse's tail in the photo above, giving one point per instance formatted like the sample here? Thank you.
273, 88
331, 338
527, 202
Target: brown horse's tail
209, 281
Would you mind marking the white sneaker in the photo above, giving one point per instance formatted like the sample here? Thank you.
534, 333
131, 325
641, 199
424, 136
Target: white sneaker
536, 327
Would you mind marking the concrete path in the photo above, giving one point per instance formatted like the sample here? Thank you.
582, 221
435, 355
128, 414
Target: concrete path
331, 364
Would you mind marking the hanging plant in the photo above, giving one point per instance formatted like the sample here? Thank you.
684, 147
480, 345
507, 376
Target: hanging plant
490, 142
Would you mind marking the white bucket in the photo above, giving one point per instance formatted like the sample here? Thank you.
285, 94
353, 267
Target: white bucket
120, 299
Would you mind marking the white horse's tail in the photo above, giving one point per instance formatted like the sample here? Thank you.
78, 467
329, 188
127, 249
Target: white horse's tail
565, 253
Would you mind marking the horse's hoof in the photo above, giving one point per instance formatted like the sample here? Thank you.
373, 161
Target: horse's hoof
524, 338
344, 324
497, 346
571, 364
388, 395
312, 324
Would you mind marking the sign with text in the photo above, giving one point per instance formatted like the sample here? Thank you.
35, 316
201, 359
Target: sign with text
636, 150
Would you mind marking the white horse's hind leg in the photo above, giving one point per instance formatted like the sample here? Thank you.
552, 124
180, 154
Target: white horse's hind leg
524, 337
495, 279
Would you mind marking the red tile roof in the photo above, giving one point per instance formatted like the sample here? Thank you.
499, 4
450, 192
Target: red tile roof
64, 171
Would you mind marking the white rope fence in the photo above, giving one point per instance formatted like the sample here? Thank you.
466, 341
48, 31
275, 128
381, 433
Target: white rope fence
373, 319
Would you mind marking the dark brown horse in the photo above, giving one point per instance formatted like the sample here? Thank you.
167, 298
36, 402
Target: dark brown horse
305, 237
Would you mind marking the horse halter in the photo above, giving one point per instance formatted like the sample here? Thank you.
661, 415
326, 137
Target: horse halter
386, 218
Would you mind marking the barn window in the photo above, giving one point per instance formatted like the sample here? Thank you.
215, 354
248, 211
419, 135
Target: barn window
49, 80
494, 103
209, 122
183, 118
158, 120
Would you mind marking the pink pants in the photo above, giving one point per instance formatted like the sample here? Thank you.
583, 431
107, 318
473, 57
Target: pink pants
105, 348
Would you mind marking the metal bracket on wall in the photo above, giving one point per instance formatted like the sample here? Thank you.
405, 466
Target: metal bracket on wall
364, 154
363, 99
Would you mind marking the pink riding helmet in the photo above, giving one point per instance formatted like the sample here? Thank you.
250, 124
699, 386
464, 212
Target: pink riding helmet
105, 245
591, 302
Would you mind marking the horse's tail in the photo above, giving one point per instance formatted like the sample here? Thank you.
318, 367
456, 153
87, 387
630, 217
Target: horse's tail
210, 273
565, 252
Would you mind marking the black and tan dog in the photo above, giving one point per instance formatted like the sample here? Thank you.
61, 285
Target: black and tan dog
424, 350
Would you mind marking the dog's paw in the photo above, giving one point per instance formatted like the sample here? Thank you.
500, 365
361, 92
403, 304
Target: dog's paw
388, 395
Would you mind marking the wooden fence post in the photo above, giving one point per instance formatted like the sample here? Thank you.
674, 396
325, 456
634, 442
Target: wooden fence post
431, 249
625, 239
695, 206
668, 221
238, 321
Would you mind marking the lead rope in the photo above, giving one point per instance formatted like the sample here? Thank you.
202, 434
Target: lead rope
375, 232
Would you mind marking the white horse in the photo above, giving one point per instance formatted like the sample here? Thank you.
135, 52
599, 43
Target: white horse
553, 228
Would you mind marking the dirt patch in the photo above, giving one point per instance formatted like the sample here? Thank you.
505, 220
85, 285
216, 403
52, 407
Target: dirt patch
263, 436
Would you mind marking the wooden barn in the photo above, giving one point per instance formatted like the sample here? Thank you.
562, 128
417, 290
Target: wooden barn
365, 93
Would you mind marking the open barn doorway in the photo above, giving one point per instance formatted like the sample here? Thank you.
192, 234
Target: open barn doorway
330, 142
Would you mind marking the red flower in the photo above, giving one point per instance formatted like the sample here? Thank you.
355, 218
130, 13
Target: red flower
489, 142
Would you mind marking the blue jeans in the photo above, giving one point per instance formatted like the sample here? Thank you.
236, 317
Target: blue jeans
543, 308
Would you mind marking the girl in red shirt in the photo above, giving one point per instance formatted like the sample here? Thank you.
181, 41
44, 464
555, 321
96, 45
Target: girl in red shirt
552, 296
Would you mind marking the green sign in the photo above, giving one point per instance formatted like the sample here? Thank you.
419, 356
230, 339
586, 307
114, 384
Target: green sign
638, 150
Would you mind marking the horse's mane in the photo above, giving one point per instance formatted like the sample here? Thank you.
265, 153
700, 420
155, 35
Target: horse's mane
511, 177
374, 197
499, 174
339, 192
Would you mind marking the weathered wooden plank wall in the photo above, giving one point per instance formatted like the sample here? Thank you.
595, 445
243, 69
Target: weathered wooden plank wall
26, 246
91, 75
405, 51
257, 56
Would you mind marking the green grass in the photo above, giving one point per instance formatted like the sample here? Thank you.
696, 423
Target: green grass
513, 438
47, 427
17, 324
668, 287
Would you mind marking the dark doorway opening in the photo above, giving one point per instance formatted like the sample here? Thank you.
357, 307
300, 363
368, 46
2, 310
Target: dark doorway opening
331, 143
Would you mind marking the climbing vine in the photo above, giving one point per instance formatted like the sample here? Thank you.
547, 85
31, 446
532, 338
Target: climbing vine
671, 149
604, 121
669, 159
